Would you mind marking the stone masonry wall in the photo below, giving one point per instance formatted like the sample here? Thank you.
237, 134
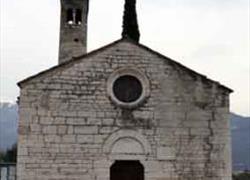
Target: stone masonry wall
70, 129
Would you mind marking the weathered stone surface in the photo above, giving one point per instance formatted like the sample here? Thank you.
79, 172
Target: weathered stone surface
70, 128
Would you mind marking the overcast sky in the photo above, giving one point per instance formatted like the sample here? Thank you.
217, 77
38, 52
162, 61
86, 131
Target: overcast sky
209, 36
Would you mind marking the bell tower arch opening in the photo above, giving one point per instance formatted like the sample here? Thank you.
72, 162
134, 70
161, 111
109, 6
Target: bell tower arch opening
127, 170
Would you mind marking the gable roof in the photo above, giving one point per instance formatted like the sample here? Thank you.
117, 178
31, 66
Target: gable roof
76, 59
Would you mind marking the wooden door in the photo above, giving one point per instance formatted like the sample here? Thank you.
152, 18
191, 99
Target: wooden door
127, 170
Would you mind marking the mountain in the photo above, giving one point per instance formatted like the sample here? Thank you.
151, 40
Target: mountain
240, 131
8, 125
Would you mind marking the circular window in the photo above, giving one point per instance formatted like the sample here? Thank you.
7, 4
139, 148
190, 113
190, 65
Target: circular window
128, 87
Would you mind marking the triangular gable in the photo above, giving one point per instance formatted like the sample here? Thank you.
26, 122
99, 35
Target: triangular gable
76, 59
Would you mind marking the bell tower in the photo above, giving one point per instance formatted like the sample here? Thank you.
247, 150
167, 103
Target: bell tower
73, 30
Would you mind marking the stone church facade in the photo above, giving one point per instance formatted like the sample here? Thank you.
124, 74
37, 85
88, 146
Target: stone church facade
122, 112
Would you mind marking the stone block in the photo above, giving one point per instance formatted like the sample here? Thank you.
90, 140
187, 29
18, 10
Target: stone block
68, 139
85, 129
165, 153
85, 139
50, 129
62, 129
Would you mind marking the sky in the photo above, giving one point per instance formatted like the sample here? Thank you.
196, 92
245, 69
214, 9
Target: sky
208, 36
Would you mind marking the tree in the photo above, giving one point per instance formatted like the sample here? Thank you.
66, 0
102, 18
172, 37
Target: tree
130, 25
10, 156
2, 154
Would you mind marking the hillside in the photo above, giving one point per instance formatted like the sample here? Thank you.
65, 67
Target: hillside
240, 132
8, 125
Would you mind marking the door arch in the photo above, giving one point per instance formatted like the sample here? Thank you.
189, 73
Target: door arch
127, 170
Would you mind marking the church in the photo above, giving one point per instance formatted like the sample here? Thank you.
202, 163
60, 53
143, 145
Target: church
121, 112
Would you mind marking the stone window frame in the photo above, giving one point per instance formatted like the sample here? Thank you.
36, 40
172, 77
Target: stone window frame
130, 71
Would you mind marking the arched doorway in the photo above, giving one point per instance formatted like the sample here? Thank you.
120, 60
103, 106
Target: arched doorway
127, 170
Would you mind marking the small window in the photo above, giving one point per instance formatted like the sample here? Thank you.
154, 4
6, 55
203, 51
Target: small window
70, 17
74, 16
78, 16
127, 89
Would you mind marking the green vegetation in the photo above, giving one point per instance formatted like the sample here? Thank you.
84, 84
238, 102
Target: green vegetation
242, 176
130, 25
9, 156
2, 154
